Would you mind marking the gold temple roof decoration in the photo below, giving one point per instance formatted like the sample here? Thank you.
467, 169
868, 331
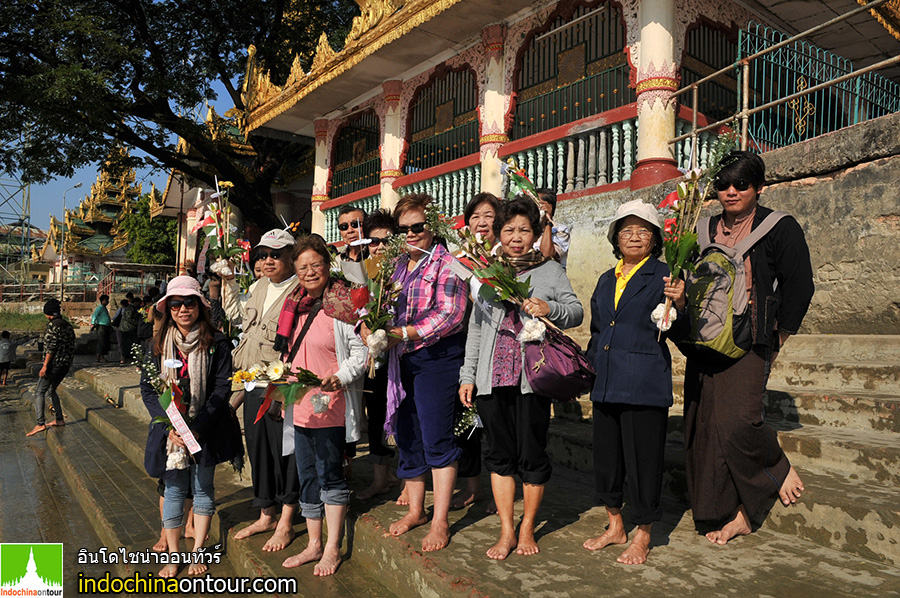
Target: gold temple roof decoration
888, 14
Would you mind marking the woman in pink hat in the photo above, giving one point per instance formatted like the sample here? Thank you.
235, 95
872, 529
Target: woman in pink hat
191, 355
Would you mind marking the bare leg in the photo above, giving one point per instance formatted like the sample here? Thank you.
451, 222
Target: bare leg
189, 518
439, 536
534, 494
791, 488
313, 550
614, 534
739, 526
403, 499
161, 545
284, 531
201, 529
636, 553
504, 488
468, 495
331, 556
173, 535
265, 523
380, 485
415, 516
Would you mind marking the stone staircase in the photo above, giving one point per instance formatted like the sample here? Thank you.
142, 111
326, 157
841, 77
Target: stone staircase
835, 401
842, 534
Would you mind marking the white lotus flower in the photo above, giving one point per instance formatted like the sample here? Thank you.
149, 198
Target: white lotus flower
275, 370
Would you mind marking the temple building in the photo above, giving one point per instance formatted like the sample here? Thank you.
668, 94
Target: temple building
91, 230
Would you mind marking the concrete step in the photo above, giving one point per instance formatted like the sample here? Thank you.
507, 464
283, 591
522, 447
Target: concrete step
858, 516
233, 495
847, 347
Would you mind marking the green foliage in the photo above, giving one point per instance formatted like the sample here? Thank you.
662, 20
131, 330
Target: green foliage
149, 241
78, 77
22, 322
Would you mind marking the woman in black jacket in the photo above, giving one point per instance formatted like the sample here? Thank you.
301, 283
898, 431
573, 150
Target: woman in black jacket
194, 358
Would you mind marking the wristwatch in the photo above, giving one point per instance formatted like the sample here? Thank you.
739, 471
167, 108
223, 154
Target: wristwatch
405, 334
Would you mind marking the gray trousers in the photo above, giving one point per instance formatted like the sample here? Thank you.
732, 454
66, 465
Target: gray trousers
46, 386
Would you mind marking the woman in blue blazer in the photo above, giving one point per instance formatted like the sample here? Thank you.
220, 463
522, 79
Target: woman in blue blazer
633, 389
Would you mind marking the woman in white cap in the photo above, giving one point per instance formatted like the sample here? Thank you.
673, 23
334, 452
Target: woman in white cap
190, 354
633, 389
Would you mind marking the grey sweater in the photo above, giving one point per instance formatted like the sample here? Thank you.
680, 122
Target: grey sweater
548, 282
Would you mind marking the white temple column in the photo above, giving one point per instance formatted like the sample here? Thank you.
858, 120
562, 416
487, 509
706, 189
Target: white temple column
494, 107
320, 177
391, 143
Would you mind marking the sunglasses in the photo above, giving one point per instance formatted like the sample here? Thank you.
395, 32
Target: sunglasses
417, 229
345, 225
376, 241
739, 184
264, 255
188, 302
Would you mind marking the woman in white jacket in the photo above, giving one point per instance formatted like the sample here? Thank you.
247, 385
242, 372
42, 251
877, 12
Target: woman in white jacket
320, 339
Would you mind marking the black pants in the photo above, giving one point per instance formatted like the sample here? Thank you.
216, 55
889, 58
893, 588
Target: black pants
376, 412
629, 447
103, 337
275, 478
515, 428
470, 459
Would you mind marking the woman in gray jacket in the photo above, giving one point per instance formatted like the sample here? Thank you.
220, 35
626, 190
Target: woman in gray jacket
515, 419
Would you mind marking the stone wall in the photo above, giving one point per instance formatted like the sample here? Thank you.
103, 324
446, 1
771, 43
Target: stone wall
843, 189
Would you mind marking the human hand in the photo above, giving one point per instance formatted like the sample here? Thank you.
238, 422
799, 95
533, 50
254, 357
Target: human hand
332, 384
176, 439
43, 372
675, 292
535, 307
364, 332
465, 394
394, 336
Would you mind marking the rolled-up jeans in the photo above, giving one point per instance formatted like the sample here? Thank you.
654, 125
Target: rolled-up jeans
47, 386
178, 482
320, 457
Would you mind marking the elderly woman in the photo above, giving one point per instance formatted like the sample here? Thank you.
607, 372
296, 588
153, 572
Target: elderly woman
515, 419
423, 369
322, 343
191, 354
633, 389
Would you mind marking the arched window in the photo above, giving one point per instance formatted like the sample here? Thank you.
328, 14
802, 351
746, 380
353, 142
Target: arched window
443, 122
357, 163
573, 67
707, 50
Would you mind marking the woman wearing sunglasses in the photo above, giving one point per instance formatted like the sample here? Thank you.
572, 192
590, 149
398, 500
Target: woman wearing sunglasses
423, 369
193, 356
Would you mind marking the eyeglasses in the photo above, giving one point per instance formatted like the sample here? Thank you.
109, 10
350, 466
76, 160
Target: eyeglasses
376, 241
345, 225
739, 184
627, 233
264, 255
417, 229
188, 302
314, 267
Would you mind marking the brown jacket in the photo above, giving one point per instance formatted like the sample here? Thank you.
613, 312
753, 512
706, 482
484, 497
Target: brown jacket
259, 328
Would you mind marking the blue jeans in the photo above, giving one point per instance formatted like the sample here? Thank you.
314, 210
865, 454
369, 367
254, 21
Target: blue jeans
46, 388
320, 459
178, 483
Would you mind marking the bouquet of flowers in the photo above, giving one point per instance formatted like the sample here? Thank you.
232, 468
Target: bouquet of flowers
468, 421
232, 254
683, 212
282, 389
379, 296
519, 177
248, 379
498, 277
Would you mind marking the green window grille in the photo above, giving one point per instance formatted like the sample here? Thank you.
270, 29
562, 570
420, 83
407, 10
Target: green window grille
573, 68
443, 122
706, 51
357, 163
799, 66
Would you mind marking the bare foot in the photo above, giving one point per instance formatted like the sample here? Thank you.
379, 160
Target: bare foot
791, 488
491, 508
197, 568
37, 429
437, 537
636, 553
374, 490
610, 536
161, 545
279, 540
56, 424
170, 570
463, 499
311, 553
739, 526
403, 499
527, 544
257, 527
502, 548
406, 523
329, 563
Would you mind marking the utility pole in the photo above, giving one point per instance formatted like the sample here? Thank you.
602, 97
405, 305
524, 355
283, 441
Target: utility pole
62, 252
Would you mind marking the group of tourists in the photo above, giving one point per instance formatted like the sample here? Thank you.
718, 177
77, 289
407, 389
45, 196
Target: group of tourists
448, 349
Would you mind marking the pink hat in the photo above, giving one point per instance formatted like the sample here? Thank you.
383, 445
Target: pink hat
181, 286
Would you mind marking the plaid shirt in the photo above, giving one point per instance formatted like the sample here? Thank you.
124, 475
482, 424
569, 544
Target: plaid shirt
433, 300
59, 341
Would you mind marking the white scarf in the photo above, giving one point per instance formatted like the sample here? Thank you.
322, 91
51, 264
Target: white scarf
197, 360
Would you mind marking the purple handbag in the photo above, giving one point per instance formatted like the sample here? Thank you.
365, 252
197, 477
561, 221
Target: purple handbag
556, 367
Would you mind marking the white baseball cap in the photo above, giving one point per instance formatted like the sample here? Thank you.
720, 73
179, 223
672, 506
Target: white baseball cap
276, 239
635, 207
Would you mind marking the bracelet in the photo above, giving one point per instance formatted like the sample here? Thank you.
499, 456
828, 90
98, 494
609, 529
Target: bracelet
405, 335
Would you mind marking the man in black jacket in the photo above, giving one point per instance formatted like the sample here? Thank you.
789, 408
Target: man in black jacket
733, 460
59, 349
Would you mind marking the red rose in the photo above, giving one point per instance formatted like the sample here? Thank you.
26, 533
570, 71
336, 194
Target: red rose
359, 296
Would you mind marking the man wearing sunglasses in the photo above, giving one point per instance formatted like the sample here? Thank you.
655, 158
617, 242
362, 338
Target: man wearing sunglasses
350, 219
276, 483
734, 462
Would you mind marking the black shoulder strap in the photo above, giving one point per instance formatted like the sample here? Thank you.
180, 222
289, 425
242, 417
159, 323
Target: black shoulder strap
759, 232
309, 320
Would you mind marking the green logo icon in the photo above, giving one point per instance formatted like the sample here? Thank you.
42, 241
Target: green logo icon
31, 567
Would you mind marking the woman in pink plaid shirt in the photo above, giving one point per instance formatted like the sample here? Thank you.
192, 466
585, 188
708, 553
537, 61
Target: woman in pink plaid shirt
427, 350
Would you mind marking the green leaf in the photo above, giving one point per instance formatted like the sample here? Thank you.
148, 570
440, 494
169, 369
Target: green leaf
160, 419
